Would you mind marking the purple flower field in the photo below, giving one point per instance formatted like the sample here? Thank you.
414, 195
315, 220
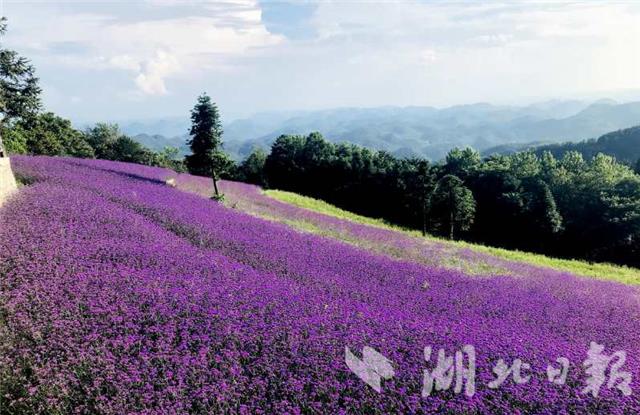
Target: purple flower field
120, 294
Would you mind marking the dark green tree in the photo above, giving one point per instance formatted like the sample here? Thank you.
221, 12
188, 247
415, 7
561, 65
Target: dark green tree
282, 166
540, 215
452, 206
548, 167
207, 158
50, 135
102, 138
462, 163
622, 218
130, 151
19, 90
419, 182
525, 164
316, 156
251, 170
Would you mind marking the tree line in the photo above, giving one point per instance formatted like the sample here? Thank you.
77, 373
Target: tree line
569, 206
50, 135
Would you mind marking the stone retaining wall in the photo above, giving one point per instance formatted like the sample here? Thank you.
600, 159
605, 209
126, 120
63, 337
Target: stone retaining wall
7, 181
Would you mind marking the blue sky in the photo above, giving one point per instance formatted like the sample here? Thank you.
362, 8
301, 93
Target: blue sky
143, 59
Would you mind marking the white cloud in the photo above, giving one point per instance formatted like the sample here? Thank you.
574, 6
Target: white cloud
484, 52
356, 53
155, 49
151, 78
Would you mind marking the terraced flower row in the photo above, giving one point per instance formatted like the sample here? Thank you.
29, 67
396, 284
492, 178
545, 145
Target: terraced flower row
121, 294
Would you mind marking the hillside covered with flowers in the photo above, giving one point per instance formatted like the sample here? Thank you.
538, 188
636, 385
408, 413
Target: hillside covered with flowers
120, 294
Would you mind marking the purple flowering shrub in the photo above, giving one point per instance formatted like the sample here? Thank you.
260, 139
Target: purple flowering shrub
120, 294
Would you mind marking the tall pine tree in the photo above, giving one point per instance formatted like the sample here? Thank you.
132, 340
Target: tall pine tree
207, 158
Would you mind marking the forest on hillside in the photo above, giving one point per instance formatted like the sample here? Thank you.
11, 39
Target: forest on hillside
571, 206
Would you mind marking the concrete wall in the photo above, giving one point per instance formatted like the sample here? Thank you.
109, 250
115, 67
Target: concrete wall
7, 181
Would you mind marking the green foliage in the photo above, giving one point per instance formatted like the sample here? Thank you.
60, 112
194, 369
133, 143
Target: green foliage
223, 166
251, 170
15, 140
19, 90
540, 209
452, 206
418, 184
462, 163
169, 157
525, 164
130, 151
102, 138
110, 144
48, 134
282, 166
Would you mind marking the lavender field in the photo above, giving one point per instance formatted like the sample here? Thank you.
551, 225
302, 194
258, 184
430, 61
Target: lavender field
120, 294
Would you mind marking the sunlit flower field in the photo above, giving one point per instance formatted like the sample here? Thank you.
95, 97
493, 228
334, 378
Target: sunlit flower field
121, 294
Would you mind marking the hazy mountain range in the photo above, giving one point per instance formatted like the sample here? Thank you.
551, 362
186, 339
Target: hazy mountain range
406, 131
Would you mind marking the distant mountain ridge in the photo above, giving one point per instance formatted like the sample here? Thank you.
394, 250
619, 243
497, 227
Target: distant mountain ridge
624, 145
421, 131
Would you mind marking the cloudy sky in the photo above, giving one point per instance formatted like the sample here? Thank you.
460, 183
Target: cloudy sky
137, 59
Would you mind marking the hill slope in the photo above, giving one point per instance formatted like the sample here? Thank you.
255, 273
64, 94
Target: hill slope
120, 294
